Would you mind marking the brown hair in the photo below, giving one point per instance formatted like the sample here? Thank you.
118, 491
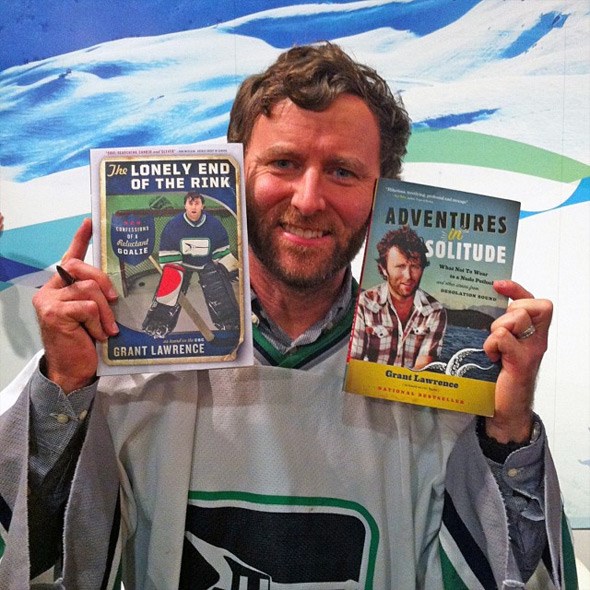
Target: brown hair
194, 195
313, 76
407, 241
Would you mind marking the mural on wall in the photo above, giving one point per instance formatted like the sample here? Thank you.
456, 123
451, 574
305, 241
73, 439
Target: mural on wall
498, 91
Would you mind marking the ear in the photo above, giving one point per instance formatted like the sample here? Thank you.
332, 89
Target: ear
382, 270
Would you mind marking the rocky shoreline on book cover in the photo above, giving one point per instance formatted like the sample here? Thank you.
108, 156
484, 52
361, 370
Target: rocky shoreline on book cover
426, 299
169, 229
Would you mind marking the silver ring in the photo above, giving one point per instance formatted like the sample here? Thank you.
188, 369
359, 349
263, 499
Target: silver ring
527, 333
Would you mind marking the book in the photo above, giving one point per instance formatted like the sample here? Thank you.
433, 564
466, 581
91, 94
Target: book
169, 230
426, 299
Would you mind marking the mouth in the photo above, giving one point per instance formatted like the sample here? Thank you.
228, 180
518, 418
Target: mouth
305, 233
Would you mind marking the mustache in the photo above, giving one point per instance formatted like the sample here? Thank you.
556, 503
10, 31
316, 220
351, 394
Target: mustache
321, 221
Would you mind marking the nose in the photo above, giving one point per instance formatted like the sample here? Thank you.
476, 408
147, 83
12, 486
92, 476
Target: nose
308, 192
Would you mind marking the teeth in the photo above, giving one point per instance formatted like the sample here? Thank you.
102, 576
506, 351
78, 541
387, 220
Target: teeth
308, 234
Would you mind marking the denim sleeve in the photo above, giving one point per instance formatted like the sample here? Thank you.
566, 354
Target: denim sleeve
57, 430
521, 481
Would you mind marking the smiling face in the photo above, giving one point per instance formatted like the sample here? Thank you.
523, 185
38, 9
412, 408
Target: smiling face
309, 182
403, 274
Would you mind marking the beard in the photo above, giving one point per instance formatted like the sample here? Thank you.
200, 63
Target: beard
301, 267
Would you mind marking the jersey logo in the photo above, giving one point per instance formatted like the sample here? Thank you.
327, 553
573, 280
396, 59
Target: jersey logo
195, 246
236, 541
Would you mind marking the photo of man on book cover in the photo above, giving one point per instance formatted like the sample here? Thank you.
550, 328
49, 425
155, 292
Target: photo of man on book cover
397, 322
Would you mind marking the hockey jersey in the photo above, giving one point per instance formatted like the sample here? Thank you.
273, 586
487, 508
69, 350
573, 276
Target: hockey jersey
193, 243
272, 477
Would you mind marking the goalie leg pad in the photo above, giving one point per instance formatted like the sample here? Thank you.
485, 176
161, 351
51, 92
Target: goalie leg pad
220, 297
162, 316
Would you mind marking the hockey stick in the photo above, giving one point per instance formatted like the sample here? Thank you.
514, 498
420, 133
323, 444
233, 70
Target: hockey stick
187, 306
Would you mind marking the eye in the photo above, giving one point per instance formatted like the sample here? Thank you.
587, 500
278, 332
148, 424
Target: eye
282, 164
343, 173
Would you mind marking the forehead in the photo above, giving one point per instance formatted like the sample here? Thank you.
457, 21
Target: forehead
192, 200
347, 126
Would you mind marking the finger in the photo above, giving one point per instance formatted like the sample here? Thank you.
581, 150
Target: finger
79, 245
80, 271
512, 289
521, 356
522, 333
98, 312
54, 308
516, 320
85, 314
524, 327
501, 341
495, 343
539, 312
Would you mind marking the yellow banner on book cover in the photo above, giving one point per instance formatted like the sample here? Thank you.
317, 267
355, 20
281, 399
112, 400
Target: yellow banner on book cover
424, 388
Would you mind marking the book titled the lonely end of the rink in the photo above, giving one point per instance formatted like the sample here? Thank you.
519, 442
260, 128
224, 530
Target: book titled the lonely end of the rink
169, 230
426, 299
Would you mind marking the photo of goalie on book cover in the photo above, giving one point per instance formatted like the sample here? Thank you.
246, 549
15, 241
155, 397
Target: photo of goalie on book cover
169, 230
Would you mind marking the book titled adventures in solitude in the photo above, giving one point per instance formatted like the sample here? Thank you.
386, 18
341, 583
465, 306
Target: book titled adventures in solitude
169, 230
421, 319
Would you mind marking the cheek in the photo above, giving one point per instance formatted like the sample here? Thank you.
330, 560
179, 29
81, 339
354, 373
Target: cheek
353, 210
265, 191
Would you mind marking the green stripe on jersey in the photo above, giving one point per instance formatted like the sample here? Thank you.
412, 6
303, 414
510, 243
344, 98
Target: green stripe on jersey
307, 352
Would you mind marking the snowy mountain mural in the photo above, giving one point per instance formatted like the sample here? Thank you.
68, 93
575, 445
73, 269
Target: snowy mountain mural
179, 87
498, 92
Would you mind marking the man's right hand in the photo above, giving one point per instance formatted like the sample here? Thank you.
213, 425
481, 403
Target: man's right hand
73, 317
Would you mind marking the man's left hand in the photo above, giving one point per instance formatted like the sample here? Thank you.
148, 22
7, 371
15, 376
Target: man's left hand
518, 339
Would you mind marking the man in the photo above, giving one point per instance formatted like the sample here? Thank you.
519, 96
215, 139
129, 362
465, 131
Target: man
194, 242
271, 474
397, 323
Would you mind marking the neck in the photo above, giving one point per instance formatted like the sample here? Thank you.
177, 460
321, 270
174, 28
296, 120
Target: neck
294, 310
403, 307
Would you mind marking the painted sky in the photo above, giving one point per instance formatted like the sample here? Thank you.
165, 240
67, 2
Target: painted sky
168, 89
34, 31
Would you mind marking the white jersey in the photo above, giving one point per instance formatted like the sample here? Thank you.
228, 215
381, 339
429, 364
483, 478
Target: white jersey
284, 474
274, 478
